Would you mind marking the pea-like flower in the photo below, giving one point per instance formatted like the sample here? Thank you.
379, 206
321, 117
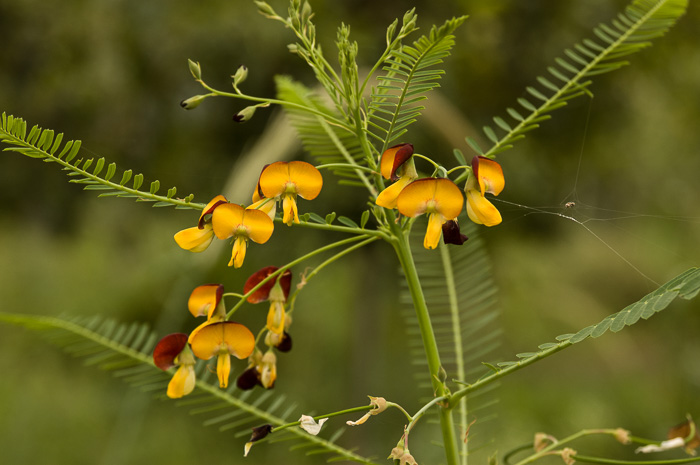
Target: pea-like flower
276, 290
261, 371
198, 238
222, 340
286, 180
172, 351
396, 165
487, 176
231, 220
439, 198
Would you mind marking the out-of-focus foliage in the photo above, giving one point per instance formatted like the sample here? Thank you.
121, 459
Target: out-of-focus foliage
113, 73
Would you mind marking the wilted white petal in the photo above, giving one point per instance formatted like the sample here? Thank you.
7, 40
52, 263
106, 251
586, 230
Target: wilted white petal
309, 425
246, 448
666, 445
358, 422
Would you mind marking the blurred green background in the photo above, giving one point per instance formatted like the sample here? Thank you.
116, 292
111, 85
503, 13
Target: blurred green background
112, 73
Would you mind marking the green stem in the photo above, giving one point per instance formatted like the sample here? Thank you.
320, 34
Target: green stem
403, 251
289, 265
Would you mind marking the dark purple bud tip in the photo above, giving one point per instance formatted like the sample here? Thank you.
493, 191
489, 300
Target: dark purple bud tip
451, 233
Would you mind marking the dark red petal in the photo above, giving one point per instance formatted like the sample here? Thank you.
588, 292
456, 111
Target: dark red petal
263, 292
285, 344
259, 432
451, 233
286, 282
404, 152
167, 349
248, 379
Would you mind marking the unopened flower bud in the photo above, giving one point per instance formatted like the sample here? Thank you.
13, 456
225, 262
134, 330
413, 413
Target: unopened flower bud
306, 12
195, 69
265, 9
241, 75
245, 114
622, 435
192, 102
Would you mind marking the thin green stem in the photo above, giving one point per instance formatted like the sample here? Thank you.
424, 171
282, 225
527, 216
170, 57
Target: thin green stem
346, 166
325, 116
403, 410
586, 459
327, 262
417, 416
364, 408
403, 250
289, 265
345, 229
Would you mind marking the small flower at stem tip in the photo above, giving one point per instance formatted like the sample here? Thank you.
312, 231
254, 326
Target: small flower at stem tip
309, 425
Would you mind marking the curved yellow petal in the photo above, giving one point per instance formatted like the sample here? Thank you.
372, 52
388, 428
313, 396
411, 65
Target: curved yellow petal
209, 208
480, 210
228, 336
489, 175
195, 239
449, 199
238, 252
182, 383
214, 319
273, 179
294, 177
268, 206
307, 178
258, 224
387, 198
431, 195
204, 299
226, 219
291, 213
275, 317
434, 231
223, 369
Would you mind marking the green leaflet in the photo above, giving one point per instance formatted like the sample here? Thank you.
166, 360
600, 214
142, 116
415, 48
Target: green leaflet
410, 73
41, 144
125, 350
686, 286
570, 77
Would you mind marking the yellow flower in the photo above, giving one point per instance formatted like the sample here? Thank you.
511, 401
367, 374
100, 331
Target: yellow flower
440, 198
487, 176
287, 180
198, 238
222, 340
395, 160
205, 300
172, 351
231, 220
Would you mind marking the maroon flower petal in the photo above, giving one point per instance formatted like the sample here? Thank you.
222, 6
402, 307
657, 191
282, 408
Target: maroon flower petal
167, 349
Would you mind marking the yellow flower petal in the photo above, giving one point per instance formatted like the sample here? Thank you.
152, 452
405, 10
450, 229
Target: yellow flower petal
489, 175
268, 206
480, 210
387, 198
223, 369
431, 195
259, 225
210, 321
234, 338
226, 219
182, 383
307, 178
209, 208
291, 213
275, 317
434, 231
238, 252
195, 239
204, 299
294, 177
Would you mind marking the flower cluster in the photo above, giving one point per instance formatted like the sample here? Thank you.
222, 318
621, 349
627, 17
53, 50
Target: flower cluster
279, 182
220, 338
439, 198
